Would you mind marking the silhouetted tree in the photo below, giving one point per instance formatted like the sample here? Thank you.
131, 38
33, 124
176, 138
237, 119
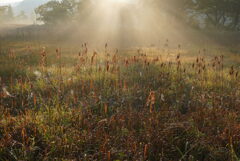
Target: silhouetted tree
216, 14
55, 12
219, 14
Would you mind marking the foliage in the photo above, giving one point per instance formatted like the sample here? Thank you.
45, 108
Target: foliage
220, 13
56, 11
214, 14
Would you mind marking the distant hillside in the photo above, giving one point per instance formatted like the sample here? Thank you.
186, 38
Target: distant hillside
28, 6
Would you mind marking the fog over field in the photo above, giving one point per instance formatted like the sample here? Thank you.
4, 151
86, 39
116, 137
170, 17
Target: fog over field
121, 22
120, 80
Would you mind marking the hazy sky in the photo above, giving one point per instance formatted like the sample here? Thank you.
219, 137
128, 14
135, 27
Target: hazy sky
9, 1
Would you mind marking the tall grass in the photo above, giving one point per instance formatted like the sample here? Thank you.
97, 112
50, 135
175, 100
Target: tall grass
111, 105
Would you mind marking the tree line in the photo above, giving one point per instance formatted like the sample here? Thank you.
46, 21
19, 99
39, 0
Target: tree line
214, 14
202, 14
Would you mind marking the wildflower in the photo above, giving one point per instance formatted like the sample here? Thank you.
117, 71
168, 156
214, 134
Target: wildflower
102, 121
107, 66
6, 93
145, 151
109, 156
72, 92
162, 97
30, 95
178, 56
231, 72
151, 100
37, 74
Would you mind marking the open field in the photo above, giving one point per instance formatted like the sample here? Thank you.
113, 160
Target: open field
74, 102
119, 80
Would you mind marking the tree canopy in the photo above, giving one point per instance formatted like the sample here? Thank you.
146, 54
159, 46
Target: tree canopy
56, 11
217, 14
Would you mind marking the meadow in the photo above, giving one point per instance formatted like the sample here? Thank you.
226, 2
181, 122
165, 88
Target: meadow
66, 102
